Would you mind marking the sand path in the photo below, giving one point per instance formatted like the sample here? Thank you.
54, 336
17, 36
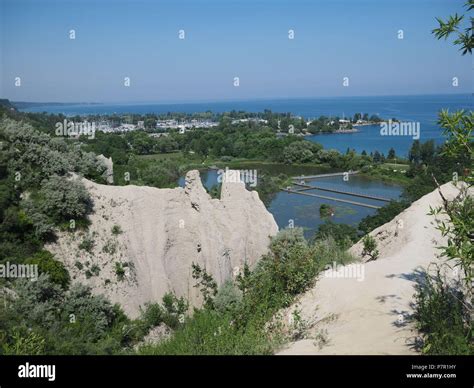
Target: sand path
372, 316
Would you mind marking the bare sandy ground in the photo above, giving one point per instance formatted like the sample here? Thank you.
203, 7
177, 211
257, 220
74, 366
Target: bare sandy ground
372, 316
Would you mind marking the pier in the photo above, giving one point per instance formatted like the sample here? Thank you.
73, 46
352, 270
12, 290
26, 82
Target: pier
305, 187
292, 191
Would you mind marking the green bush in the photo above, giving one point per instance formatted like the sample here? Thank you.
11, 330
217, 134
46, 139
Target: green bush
48, 264
95, 270
370, 247
151, 315
171, 313
110, 247
119, 271
116, 230
56, 203
228, 297
64, 199
87, 244
443, 318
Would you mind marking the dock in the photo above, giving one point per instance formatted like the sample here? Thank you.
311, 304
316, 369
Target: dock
305, 187
292, 191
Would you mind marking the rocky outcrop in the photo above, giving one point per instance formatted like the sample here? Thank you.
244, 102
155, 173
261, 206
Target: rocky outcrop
108, 173
142, 240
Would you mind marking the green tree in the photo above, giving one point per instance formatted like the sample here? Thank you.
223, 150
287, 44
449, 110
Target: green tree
391, 154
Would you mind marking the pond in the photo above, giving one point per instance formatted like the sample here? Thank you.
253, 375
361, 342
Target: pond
303, 211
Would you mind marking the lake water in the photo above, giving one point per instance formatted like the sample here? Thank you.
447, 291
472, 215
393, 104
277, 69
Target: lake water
304, 210
421, 109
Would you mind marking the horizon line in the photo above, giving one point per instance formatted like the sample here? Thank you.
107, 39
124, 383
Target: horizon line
175, 102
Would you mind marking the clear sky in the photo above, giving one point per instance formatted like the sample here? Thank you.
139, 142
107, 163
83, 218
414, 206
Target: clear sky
224, 39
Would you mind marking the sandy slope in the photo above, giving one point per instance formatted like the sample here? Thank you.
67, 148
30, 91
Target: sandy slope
370, 316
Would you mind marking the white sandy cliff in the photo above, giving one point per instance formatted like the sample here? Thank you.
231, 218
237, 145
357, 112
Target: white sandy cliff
163, 232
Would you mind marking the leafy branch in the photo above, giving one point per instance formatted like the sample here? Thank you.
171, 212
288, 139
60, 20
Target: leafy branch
452, 25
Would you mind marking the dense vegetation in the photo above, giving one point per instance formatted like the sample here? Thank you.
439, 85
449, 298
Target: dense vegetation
41, 317
241, 316
36, 192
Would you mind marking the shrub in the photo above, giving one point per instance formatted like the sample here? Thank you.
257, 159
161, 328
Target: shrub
95, 270
228, 297
370, 247
119, 271
151, 316
40, 300
207, 284
442, 318
64, 199
42, 224
110, 247
87, 244
82, 303
116, 230
48, 264
171, 313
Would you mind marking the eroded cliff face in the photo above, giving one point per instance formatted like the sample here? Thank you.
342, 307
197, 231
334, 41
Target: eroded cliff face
159, 233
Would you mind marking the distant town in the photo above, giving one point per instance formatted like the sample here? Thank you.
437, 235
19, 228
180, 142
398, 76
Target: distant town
282, 124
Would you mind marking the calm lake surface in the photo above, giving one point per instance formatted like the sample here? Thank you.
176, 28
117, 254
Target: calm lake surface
304, 210
421, 109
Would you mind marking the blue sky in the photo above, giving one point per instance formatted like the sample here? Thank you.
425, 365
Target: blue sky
225, 39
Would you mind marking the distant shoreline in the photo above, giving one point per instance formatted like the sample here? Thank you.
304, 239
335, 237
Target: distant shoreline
338, 131
231, 100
